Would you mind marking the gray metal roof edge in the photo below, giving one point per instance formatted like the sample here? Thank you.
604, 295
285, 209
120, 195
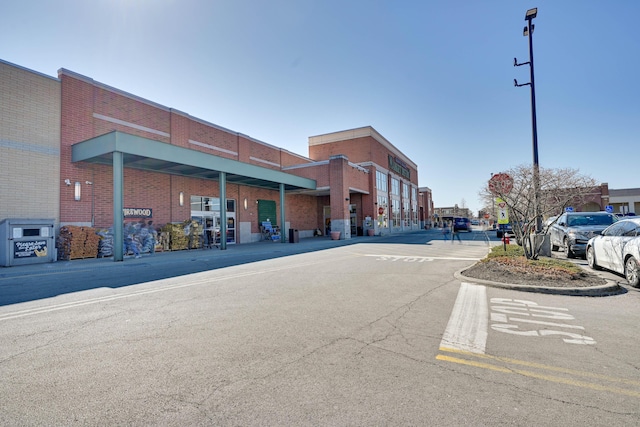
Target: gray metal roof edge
11, 64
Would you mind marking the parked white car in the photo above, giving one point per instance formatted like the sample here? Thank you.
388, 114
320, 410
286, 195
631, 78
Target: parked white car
617, 249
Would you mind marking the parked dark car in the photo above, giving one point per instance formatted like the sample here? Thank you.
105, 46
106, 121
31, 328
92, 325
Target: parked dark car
461, 224
573, 230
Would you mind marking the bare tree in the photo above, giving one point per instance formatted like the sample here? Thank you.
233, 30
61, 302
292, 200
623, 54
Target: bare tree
559, 188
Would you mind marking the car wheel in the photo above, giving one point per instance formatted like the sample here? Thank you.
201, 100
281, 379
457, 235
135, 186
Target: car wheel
631, 271
591, 258
499, 234
570, 253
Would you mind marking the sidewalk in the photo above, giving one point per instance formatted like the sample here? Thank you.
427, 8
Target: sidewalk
247, 250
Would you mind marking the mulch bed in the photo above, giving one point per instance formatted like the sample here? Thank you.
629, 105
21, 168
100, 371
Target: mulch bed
518, 271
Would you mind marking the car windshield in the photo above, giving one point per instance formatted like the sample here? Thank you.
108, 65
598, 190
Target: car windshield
586, 220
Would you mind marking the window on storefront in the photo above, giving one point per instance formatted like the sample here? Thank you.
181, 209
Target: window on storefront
414, 205
395, 186
405, 213
382, 217
395, 213
381, 181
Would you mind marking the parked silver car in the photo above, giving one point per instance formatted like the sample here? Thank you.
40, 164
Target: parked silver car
617, 249
573, 230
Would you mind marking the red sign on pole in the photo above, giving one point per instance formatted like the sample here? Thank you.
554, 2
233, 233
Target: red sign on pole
380, 211
500, 183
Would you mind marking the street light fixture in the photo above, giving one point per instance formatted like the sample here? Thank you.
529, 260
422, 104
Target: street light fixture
531, 13
528, 32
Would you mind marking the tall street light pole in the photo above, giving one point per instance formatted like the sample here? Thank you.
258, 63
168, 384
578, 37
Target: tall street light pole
528, 32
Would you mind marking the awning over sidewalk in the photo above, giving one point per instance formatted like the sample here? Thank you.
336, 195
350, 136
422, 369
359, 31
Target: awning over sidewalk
147, 154
120, 150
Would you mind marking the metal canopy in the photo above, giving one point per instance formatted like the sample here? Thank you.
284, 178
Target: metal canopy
150, 155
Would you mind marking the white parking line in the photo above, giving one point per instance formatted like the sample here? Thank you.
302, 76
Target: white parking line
426, 258
467, 329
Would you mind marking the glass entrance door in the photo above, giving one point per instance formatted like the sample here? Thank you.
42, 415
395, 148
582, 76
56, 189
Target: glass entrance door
210, 222
206, 211
326, 213
353, 220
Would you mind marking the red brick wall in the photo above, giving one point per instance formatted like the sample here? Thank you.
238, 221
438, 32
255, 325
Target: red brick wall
357, 149
339, 188
319, 172
300, 211
290, 159
115, 105
215, 137
76, 125
158, 191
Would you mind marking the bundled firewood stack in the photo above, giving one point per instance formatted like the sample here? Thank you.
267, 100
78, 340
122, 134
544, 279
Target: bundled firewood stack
77, 242
183, 235
195, 231
105, 248
141, 234
177, 239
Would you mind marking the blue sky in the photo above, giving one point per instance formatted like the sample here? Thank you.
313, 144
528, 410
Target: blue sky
433, 77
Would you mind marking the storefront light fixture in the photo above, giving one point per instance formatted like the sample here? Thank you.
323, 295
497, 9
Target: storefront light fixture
181, 198
246, 203
77, 191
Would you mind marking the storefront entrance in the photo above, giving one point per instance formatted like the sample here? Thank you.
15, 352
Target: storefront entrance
326, 215
353, 221
206, 211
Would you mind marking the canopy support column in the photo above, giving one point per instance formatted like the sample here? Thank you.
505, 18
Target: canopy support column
118, 205
223, 211
282, 215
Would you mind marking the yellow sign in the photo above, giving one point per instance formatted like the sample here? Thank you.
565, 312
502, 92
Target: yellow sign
503, 214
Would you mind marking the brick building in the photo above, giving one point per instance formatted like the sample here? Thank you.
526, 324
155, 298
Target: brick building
85, 153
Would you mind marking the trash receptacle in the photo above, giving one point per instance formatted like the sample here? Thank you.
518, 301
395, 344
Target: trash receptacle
294, 236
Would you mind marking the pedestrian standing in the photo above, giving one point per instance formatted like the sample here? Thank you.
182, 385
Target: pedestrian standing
455, 234
445, 231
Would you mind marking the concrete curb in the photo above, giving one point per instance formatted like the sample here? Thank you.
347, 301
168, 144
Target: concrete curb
610, 288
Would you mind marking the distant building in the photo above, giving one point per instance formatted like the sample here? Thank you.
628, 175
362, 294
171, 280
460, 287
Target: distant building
626, 200
448, 213
427, 211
